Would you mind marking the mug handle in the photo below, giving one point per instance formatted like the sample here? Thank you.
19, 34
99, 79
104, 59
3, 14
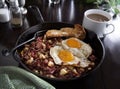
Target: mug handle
109, 31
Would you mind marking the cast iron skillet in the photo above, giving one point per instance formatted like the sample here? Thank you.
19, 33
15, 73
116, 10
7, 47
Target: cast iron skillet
91, 38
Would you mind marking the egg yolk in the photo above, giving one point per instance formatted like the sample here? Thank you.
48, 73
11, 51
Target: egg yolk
65, 55
72, 42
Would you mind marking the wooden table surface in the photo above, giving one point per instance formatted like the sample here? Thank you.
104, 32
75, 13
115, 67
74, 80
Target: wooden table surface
70, 11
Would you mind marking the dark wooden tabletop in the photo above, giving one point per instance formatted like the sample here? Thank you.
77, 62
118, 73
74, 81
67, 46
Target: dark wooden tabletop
107, 76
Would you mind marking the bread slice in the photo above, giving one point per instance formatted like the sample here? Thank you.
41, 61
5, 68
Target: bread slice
78, 32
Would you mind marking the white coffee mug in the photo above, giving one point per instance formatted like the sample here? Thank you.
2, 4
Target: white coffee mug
91, 21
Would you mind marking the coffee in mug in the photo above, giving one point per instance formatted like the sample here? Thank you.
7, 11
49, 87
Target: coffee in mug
97, 21
98, 17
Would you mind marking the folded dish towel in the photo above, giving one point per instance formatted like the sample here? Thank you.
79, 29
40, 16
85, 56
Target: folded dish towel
16, 78
17, 84
5, 82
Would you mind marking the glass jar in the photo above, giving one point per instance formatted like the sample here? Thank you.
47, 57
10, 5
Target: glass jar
16, 14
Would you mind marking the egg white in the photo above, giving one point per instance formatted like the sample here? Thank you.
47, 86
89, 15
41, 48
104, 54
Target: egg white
54, 54
81, 62
83, 52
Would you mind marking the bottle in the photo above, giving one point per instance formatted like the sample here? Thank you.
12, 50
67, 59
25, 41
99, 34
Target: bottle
4, 12
16, 15
2, 3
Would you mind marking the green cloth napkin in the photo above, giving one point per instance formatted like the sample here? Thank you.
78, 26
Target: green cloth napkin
17, 78
18, 84
5, 82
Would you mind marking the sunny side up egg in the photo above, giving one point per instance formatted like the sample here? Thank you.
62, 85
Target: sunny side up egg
77, 47
72, 51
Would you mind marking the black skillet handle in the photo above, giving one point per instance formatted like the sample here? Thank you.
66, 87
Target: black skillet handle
36, 13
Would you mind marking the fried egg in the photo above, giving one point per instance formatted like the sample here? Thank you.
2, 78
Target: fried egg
65, 57
77, 47
73, 52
